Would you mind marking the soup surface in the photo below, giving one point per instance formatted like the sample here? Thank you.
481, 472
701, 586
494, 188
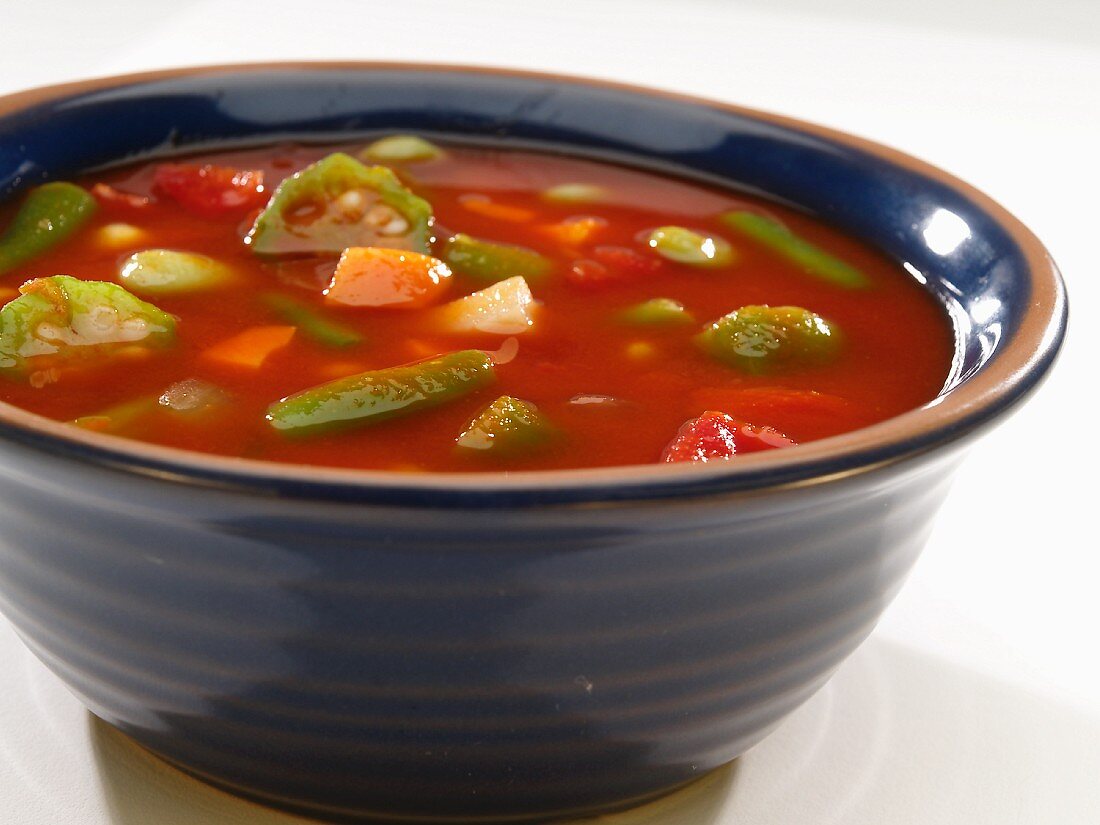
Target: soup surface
617, 316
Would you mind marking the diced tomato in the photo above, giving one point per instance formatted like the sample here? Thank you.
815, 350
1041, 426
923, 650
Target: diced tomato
110, 197
715, 435
211, 191
628, 262
610, 265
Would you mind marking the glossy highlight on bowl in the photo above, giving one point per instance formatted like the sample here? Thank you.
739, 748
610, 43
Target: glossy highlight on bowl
496, 647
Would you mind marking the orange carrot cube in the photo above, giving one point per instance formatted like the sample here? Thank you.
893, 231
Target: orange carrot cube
250, 348
481, 205
572, 232
370, 276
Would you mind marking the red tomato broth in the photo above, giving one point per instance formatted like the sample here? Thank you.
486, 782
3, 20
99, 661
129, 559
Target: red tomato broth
897, 342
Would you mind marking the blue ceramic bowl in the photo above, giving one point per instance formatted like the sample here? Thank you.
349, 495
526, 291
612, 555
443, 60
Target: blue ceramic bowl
449, 647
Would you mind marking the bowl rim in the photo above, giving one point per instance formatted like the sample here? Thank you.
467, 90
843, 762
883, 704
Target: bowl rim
951, 418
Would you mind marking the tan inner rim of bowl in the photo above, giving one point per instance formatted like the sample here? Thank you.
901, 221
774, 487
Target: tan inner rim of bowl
1036, 334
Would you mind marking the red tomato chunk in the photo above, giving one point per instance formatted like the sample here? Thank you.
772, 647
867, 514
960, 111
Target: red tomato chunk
210, 190
715, 435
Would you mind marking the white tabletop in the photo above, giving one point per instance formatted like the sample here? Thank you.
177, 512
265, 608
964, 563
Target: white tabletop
977, 700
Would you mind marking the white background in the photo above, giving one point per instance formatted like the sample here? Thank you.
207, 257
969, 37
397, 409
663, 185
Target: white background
977, 700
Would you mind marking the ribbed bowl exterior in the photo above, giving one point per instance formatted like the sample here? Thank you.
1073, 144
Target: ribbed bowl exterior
431, 664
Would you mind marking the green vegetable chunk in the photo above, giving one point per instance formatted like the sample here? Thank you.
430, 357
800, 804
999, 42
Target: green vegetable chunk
49, 214
168, 272
190, 398
489, 262
506, 425
71, 320
686, 247
338, 202
119, 417
657, 312
401, 148
386, 393
312, 323
778, 238
758, 339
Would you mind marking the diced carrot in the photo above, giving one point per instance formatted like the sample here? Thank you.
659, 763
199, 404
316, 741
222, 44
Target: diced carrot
393, 278
250, 348
501, 212
573, 232
380, 277
756, 401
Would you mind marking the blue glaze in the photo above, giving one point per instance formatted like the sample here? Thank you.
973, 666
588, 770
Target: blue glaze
518, 651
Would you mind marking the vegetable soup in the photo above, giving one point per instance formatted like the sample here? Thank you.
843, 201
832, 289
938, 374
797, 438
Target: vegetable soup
412, 306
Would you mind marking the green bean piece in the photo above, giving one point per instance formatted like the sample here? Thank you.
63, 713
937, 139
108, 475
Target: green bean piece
168, 272
68, 320
812, 259
183, 399
759, 339
687, 247
119, 417
401, 149
336, 203
50, 213
312, 323
657, 312
505, 426
570, 193
488, 262
385, 393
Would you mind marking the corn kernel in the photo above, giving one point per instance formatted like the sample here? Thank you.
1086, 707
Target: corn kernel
120, 235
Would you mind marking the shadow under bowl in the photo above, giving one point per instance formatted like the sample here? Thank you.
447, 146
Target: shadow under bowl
449, 647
